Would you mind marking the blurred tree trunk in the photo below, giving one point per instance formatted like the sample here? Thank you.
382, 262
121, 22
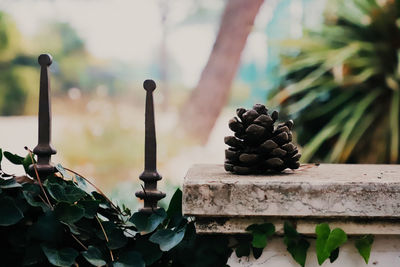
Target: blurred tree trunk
205, 103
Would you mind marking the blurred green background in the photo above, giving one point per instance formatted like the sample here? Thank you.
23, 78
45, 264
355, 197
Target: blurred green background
332, 66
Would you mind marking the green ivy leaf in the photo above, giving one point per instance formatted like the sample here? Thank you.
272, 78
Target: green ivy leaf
126, 210
9, 212
116, 237
103, 201
30, 192
190, 238
94, 256
328, 241
27, 162
156, 218
90, 207
168, 238
174, 210
82, 184
322, 231
13, 158
130, 259
47, 228
68, 213
9, 183
296, 245
260, 233
150, 251
364, 245
148, 223
64, 257
259, 240
257, 252
299, 250
63, 172
336, 238
140, 220
65, 193
175, 205
73, 228
1, 156
243, 249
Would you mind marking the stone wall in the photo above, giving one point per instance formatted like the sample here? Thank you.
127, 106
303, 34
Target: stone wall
360, 199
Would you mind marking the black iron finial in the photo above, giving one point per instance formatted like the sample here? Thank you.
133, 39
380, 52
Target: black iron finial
150, 176
44, 149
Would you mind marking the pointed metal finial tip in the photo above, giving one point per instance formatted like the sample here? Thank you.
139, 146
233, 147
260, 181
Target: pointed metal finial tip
45, 59
149, 85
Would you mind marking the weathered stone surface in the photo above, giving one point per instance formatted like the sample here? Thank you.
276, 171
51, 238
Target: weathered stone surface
328, 190
304, 225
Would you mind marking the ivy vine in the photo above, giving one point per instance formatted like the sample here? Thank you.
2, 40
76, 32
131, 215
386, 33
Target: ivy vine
65, 220
327, 242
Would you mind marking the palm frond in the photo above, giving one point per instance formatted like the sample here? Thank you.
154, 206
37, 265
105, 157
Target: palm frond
341, 84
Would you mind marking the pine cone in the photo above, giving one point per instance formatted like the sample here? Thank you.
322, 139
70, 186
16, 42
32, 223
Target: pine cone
257, 146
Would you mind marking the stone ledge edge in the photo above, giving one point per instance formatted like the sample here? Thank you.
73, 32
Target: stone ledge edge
221, 225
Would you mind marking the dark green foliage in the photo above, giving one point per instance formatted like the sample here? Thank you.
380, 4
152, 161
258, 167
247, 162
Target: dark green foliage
243, 249
9, 212
81, 226
364, 245
64, 257
341, 84
256, 242
260, 233
296, 244
148, 223
11, 89
64, 192
328, 242
14, 62
68, 213
168, 238
13, 158
94, 256
257, 252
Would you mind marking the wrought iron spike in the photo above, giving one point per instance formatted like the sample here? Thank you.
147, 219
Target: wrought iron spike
44, 149
150, 176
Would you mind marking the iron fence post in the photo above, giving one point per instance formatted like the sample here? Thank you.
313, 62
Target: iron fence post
150, 176
44, 149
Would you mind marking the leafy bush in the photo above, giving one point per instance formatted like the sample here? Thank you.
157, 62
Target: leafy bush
341, 85
64, 220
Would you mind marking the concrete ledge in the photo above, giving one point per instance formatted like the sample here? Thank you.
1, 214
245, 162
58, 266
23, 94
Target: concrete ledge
306, 226
345, 194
